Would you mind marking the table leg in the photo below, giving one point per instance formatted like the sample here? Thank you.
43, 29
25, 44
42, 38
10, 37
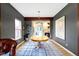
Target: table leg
39, 45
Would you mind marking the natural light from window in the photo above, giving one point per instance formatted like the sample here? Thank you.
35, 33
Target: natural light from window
18, 29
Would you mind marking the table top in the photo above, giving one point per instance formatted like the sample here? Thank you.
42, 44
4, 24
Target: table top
39, 38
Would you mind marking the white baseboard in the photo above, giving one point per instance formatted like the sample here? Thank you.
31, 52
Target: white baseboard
63, 47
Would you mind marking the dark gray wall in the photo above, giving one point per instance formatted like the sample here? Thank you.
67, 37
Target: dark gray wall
8, 15
70, 41
51, 24
0, 20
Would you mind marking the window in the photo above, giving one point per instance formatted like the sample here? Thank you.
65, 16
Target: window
38, 29
60, 28
18, 29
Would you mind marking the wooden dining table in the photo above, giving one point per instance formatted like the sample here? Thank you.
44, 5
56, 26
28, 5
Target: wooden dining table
39, 39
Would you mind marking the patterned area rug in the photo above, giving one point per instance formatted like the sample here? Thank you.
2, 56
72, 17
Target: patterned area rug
47, 49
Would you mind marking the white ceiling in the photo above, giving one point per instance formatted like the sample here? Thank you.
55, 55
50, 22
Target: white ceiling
31, 9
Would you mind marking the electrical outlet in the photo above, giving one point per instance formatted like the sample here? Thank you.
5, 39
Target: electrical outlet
66, 44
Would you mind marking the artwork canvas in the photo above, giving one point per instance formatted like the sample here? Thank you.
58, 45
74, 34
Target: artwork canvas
60, 28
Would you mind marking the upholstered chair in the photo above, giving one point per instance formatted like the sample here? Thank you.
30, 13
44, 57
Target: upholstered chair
7, 45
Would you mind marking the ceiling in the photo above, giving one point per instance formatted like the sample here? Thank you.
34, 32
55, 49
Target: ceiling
39, 9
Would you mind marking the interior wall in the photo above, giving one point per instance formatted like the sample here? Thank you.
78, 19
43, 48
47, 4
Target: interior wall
70, 13
78, 29
0, 20
51, 28
8, 15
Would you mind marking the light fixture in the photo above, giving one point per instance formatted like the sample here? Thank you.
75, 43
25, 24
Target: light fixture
38, 14
38, 11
